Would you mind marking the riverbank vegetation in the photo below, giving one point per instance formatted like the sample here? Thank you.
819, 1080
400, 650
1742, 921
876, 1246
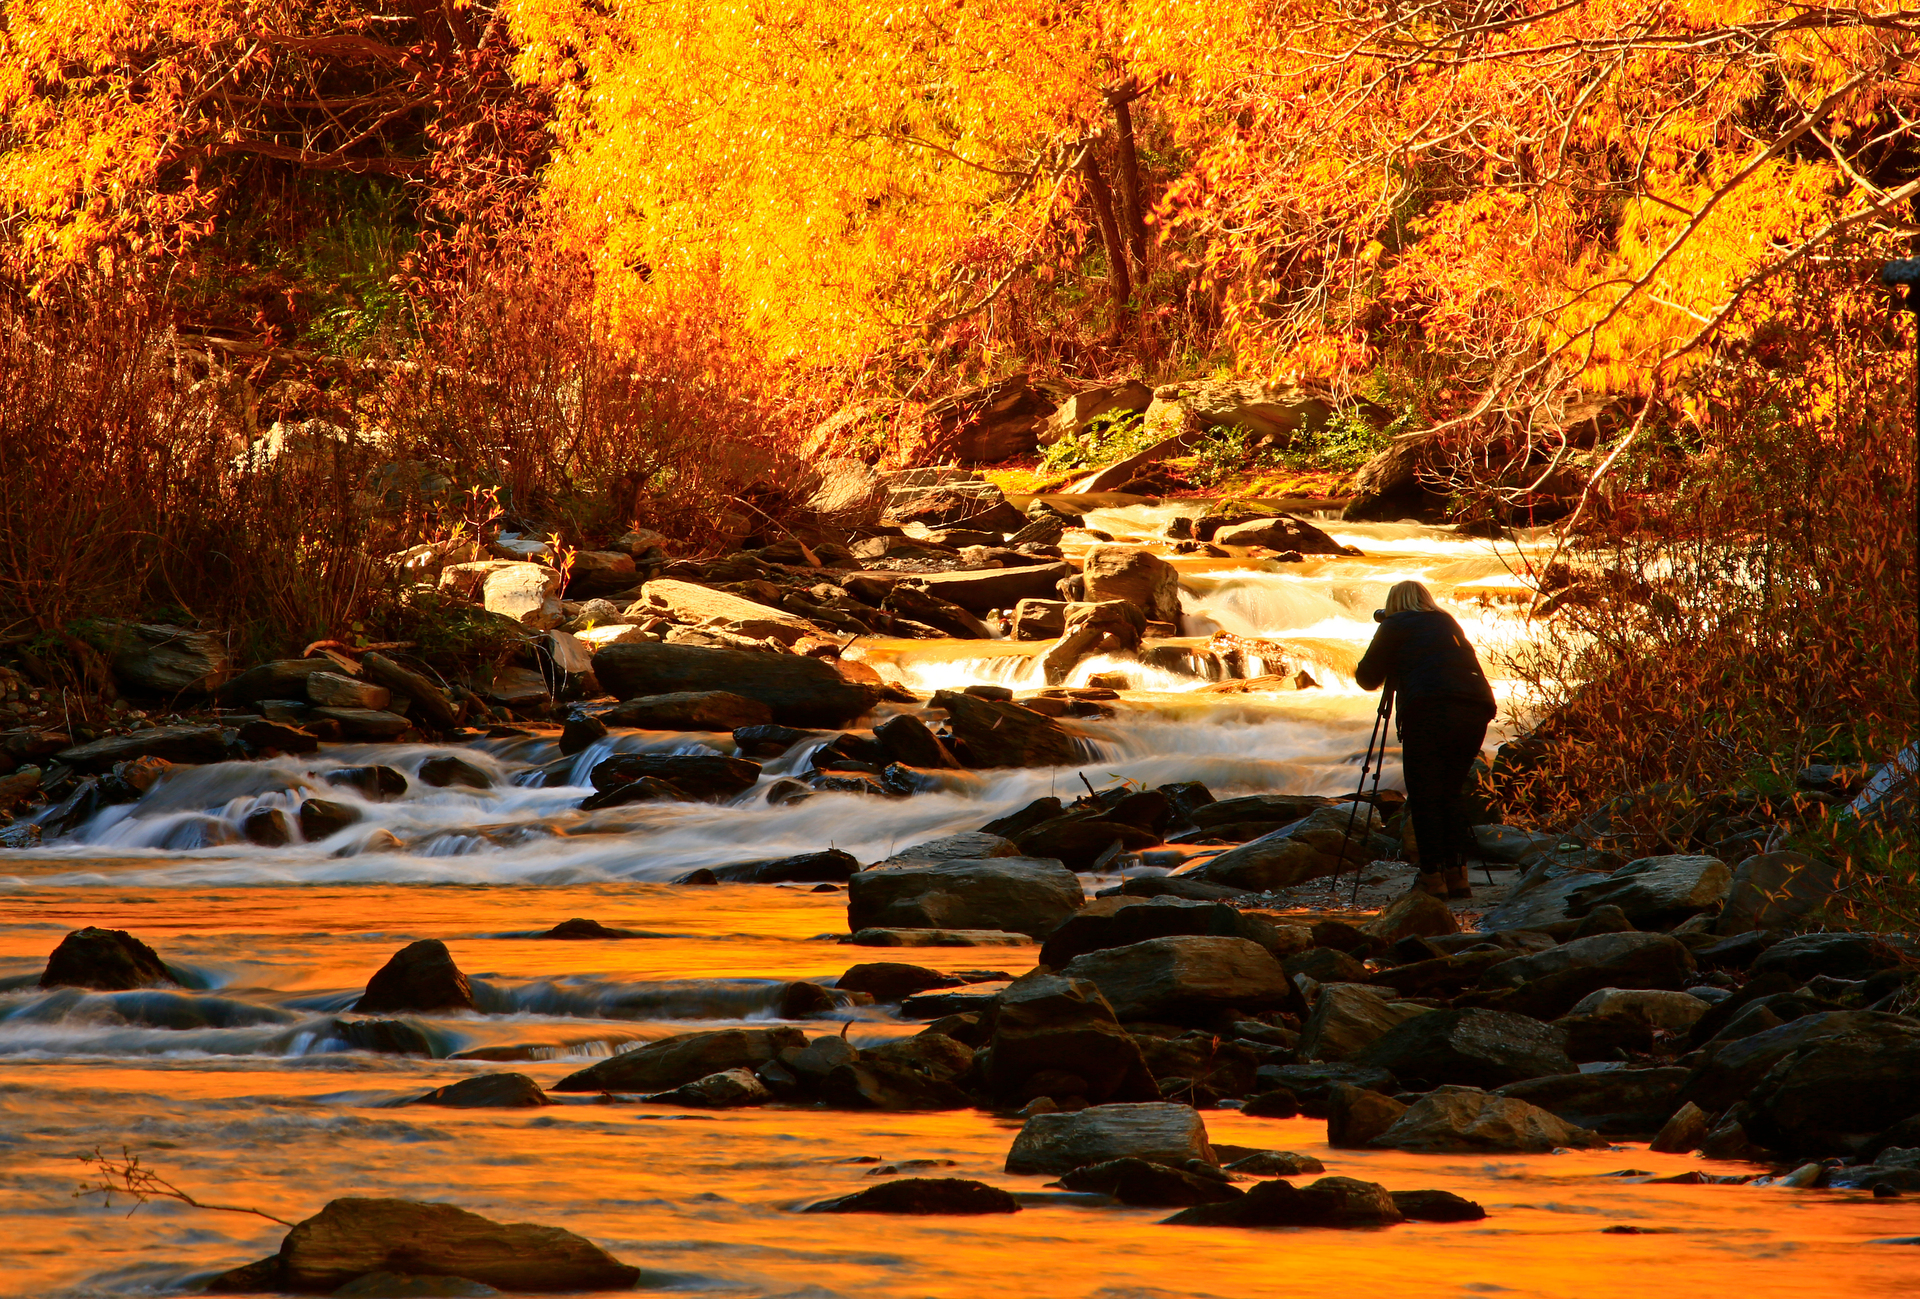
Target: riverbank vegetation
289, 285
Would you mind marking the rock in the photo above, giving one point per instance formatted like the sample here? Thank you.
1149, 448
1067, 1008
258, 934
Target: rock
268, 738
513, 687
1170, 979
800, 691
689, 710
1393, 485
366, 723
971, 845
1683, 1133
1355, 1117
376, 784
692, 605
936, 1055
1276, 810
580, 928
491, 1091
875, 937
430, 703
995, 421
805, 868
729, 1089
877, 1083
845, 493
1078, 841
701, 775
894, 981
1281, 533
1025, 895
106, 960
907, 739
277, 679
1839, 1088
1313, 847
986, 589
1670, 1012
1837, 955
182, 744
1272, 412
920, 606
1412, 914
599, 572
382, 1036
527, 593
331, 690
1055, 1035
1329, 1202
1268, 1163
404, 1285
1539, 897
270, 827
676, 1061
1074, 416
997, 734
445, 770
1461, 1120
419, 977
1161, 1132
1141, 1183
923, 1196
1475, 1048
1349, 1017
1773, 890
1509, 844
162, 659
1135, 576
1436, 1206
352, 1236
1121, 920
321, 818
1614, 1103
1192, 890
1547, 984
1655, 892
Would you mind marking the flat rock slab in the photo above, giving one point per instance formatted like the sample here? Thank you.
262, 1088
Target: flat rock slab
1158, 1131
187, 744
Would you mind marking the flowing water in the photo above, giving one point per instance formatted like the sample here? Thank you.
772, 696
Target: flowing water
241, 1087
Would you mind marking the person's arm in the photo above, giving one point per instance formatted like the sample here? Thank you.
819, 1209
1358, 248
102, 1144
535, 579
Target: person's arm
1381, 656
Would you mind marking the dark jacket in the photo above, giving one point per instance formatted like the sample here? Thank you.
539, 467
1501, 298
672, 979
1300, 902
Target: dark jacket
1425, 655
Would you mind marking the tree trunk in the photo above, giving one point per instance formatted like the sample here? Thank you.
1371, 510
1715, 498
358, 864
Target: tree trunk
1131, 206
1117, 277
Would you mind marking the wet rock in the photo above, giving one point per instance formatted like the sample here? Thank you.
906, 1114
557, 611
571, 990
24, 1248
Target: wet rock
804, 868
1615, 1103
1034, 813
878, 1083
1273, 809
811, 1062
923, 1196
365, 723
907, 739
800, 691
352, 1237
1475, 1048
106, 960
1056, 1035
1329, 1202
1136, 576
1314, 1083
430, 703
1683, 1132
1278, 1103
1268, 1163
930, 610
1170, 979
1119, 921
1452, 1120
873, 937
986, 589
676, 1061
935, 1055
1283, 532
1157, 1131
1655, 892
702, 775
1839, 1088
182, 744
1142, 1183
1015, 893
1313, 847
727, 1090
1079, 841
973, 845
688, 710
580, 732
270, 827
420, 976
488, 1091
1355, 1116
268, 738
1436, 1206
1547, 984
446, 770
648, 789
580, 928
997, 734
1838, 955
1671, 1012
376, 784
1773, 890
382, 1036
768, 741
1178, 886
1347, 1018
893, 980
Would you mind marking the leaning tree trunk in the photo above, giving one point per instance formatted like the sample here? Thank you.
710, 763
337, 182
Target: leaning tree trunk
1117, 278
1132, 212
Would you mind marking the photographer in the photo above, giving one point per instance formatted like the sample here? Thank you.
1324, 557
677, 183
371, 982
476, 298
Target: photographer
1445, 703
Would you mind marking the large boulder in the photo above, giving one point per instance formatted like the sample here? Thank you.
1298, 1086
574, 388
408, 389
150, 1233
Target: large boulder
1057, 1036
969, 845
1283, 532
998, 734
1833, 1091
1613, 1102
693, 605
1837, 955
1774, 889
1158, 1131
1654, 892
894, 980
687, 710
1172, 979
877, 1082
995, 421
1477, 1048
675, 1061
1135, 576
1024, 895
1272, 412
419, 977
1315, 846
106, 960
983, 590
1666, 1011
1117, 921
1076, 414
845, 492
161, 659
1466, 1120
527, 593
182, 744
800, 691
353, 1236
1347, 1018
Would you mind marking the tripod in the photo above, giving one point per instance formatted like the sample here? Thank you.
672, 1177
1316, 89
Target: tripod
1368, 763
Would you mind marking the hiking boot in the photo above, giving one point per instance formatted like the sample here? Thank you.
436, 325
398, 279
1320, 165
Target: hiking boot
1457, 883
1432, 883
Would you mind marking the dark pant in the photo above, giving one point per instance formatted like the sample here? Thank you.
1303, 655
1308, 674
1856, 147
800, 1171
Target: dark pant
1439, 739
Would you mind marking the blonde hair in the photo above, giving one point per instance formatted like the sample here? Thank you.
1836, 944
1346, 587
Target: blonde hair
1410, 597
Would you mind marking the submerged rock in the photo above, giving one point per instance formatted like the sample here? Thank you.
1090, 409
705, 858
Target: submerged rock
727, 1090
894, 980
420, 976
923, 1196
1329, 1202
676, 1061
489, 1091
1145, 1184
106, 960
702, 775
580, 928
